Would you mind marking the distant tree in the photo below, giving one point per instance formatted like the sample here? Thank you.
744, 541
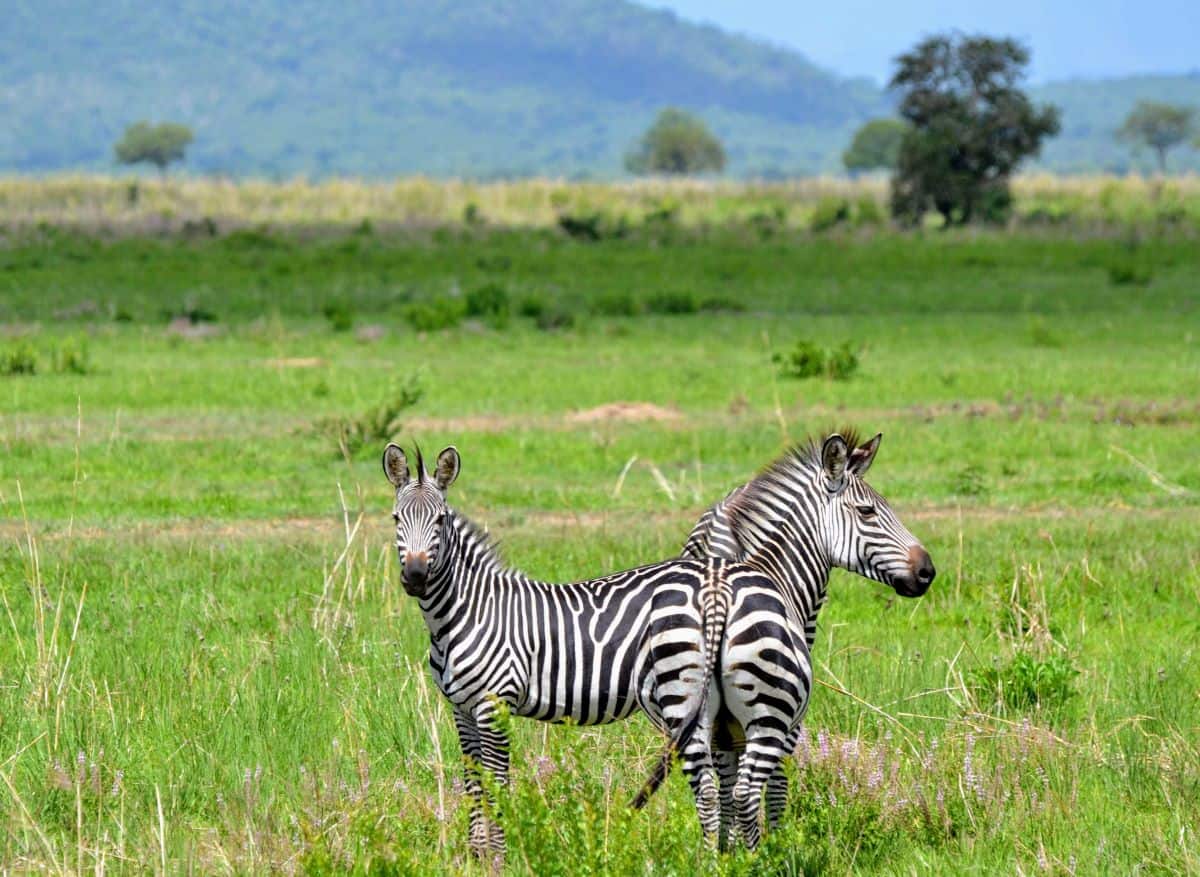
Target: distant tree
875, 146
677, 143
1157, 125
159, 145
970, 125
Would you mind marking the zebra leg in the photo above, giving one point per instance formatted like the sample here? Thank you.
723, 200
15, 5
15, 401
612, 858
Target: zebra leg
762, 756
777, 795
727, 770
493, 745
777, 785
468, 740
698, 766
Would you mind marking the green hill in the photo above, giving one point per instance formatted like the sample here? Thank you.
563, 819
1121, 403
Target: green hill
370, 87
1094, 109
477, 88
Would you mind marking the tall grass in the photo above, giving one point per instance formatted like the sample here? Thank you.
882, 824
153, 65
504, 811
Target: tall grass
207, 665
206, 206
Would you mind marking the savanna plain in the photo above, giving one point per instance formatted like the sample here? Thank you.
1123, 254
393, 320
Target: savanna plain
208, 664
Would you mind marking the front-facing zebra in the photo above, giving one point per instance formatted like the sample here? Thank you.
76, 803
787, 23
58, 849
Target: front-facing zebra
595, 651
809, 511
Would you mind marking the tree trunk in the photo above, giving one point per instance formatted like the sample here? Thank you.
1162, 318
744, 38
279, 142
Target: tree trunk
1161, 151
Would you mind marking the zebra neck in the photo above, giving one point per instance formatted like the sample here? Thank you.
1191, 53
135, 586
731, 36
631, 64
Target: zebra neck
804, 583
790, 552
466, 577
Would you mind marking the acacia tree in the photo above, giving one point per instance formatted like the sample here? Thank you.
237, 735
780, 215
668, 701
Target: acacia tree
970, 126
677, 143
159, 145
875, 145
1157, 125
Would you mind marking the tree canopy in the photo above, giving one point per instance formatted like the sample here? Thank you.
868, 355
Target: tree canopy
1161, 126
970, 126
875, 145
159, 145
677, 143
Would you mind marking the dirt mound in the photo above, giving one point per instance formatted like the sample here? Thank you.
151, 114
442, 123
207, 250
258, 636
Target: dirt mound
631, 411
294, 362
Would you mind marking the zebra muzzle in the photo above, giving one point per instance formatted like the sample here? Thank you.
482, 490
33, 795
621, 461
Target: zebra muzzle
922, 570
416, 572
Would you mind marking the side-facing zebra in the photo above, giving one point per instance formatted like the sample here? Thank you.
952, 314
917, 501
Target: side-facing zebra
594, 651
808, 512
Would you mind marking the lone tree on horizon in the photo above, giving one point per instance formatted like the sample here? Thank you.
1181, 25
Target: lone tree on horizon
876, 146
677, 143
970, 126
159, 145
1160, 126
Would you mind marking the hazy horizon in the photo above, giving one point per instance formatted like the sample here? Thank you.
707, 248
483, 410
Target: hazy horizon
1108, 38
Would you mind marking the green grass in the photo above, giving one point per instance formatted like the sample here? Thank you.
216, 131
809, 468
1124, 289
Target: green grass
199, 664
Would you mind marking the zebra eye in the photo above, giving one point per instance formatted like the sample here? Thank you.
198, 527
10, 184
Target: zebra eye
867, 511
395, 517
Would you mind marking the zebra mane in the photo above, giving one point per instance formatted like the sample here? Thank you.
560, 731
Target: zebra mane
780, 476
485, 546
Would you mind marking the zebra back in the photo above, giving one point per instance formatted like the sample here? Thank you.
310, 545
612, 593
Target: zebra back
714, 535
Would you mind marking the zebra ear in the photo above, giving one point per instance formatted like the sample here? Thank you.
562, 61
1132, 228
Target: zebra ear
395, 465
863, 456
448, 464
834, 454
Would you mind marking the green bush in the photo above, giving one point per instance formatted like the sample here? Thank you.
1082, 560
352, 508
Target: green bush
830, 213
1047, 214
616, 304
532, 306
490, 303
995, 205
672, 303
1026, 682
70, 356
722, 303
582, 226
970, 480
339, 314
868, 212
434, 314
1128, 273
66, 356
194, 314
768, 220
555, 317
666, 213
807, 360
592, 226
1041, 335
19, 359
352, 434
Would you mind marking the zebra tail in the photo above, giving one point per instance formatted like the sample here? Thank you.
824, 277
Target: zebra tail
715, 614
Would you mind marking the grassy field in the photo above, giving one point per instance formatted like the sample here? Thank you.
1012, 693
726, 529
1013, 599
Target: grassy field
207, 663
198, 207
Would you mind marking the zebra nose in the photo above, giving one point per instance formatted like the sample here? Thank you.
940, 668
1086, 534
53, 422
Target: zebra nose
416, 568
922, 566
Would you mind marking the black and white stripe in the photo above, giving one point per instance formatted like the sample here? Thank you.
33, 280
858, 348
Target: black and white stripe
671, 638
808, 512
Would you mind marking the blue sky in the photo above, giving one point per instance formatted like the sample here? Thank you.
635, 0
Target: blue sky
860, 37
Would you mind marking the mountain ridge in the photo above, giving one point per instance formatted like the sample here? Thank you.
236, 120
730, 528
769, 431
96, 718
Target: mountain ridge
474, 88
